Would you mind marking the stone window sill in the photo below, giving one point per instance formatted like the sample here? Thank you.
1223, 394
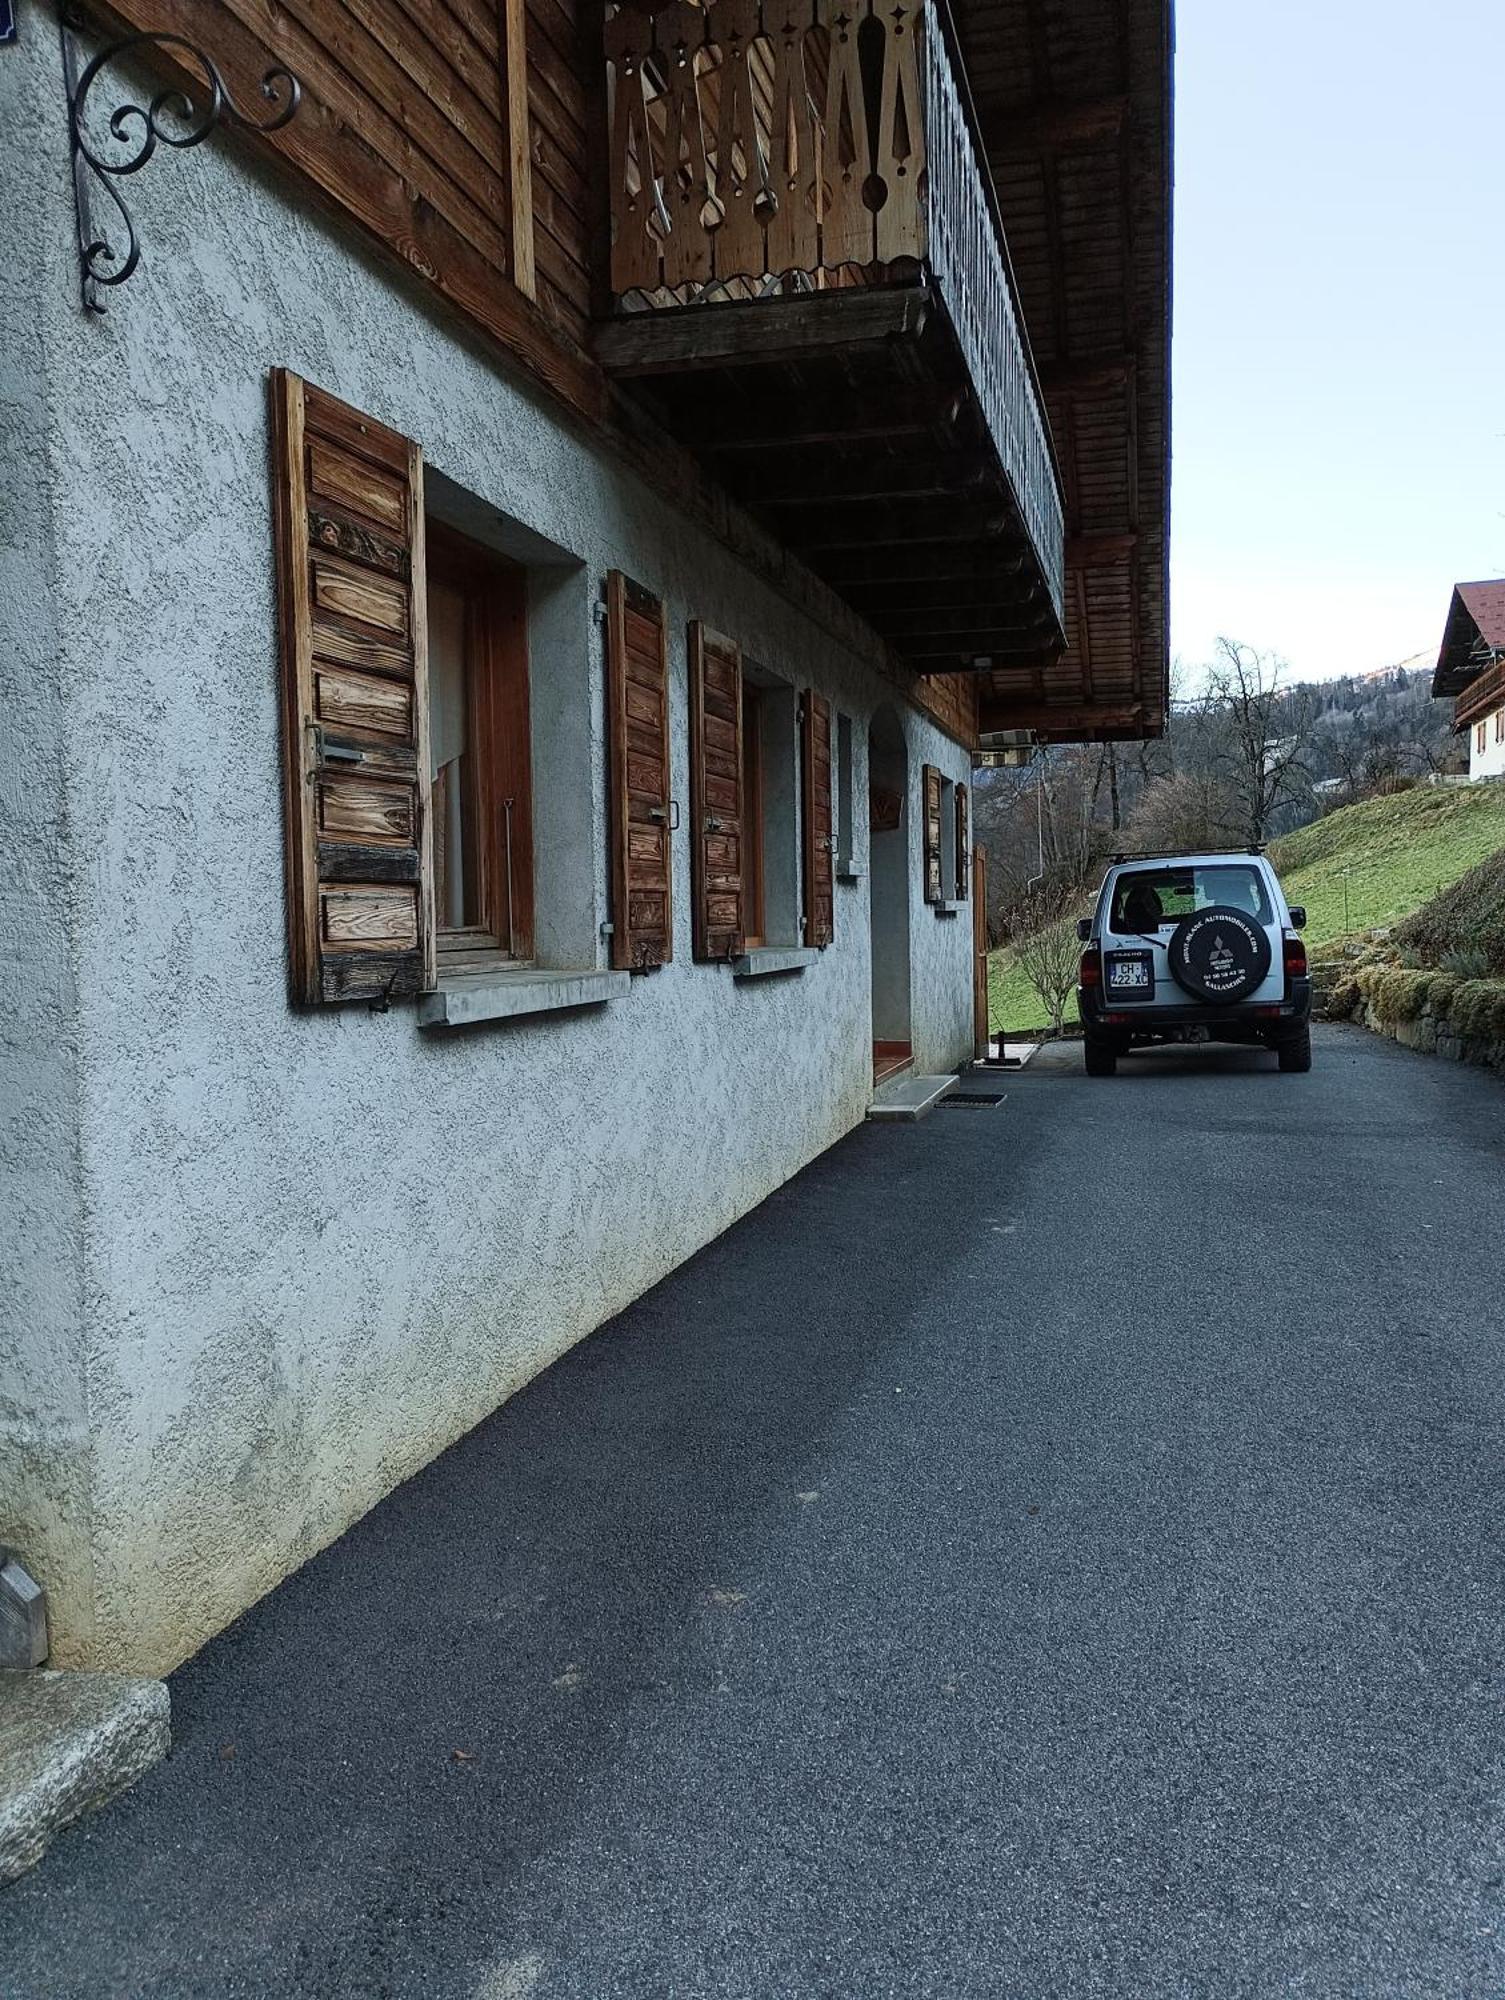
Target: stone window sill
764, 959
466, 998
849, 871
948, 909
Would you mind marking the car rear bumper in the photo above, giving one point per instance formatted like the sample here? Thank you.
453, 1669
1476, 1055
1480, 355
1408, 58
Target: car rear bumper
1242, 1022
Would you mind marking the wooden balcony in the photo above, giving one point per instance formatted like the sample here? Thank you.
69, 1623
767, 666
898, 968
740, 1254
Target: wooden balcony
810, 284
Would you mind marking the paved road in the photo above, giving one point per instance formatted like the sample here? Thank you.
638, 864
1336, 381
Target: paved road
1051, 1550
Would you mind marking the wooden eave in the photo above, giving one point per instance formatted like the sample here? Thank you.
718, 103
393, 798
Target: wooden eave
1075, 101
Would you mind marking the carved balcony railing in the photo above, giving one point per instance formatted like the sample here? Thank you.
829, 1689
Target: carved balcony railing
763, 150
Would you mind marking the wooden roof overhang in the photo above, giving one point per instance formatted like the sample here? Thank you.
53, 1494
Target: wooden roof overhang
1074, 99
1473, 642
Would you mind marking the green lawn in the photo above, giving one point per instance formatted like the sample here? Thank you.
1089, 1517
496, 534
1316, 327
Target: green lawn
1390, 855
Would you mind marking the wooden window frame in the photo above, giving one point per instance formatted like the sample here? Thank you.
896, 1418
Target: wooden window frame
500, 745
754, 829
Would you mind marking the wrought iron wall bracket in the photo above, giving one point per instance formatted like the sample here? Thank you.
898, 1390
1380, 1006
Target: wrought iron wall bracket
172, 117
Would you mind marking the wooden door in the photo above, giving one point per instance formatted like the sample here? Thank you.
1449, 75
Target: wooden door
980, 951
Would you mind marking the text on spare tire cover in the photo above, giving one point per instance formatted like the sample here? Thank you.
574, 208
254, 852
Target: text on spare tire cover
1225, 952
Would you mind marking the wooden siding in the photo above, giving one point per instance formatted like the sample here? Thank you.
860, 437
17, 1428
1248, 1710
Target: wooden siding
406, 125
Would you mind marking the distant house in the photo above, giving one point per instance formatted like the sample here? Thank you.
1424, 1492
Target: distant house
1471, 668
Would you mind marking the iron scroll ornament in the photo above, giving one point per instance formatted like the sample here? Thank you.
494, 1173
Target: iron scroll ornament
170, 118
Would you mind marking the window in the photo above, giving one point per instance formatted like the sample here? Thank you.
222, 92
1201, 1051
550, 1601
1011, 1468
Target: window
1479, 737
480, 763
948, 845
1500, 725
771, 785
1145, 899
412, 723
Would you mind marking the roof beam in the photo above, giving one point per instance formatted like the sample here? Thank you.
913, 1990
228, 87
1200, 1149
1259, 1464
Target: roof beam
1089, 375
762, 333
1059, 126
1100, 551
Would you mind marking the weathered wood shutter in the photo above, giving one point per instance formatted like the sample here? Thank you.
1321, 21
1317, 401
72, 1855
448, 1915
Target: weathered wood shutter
963, 845
349, 525
716, 794
815, 743
933, 886
637, 675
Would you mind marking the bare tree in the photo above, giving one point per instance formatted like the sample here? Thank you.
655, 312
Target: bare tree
1189, 813
1048, 950
1265, 724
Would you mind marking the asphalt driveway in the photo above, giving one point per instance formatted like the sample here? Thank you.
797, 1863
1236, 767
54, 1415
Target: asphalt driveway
1055, 1549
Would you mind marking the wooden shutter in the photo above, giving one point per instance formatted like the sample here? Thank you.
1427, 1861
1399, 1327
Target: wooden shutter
637, 675
716, 806
933, 891
963, 845
349, 526
815, 743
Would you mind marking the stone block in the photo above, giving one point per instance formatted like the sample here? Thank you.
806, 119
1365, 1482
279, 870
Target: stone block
68, 1743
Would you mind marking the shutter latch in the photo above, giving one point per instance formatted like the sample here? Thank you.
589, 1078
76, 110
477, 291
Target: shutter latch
326, 752
666, 814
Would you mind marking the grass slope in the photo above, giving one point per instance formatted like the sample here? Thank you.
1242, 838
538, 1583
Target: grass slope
1391, 855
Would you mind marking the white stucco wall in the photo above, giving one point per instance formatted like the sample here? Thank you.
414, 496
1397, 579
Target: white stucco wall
272, 1262
1490, 761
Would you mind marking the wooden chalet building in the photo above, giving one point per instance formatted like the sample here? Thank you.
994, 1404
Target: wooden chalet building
520, 514
1471, 669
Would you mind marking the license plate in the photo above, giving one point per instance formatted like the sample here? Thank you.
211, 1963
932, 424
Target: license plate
1131, 974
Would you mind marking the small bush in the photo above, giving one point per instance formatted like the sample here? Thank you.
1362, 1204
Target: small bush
1466, 918
1467, 962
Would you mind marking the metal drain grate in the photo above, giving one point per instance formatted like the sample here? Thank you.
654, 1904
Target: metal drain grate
975, 1100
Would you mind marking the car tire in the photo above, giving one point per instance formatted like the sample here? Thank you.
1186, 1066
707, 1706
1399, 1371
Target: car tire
1101, 1060
1294, 1052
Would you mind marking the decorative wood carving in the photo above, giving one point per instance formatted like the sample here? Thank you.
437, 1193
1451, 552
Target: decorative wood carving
742, 152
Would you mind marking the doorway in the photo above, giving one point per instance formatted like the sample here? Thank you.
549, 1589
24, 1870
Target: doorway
888, 890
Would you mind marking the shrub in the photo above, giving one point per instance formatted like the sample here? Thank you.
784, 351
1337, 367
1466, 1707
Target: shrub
1466, 918
1467, 962
1049, 953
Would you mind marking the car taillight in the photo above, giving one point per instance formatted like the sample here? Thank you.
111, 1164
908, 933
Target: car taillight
1295, 957
1090, 973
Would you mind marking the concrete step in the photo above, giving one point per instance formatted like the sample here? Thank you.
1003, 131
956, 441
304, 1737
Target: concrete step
68, 1743
908, 1097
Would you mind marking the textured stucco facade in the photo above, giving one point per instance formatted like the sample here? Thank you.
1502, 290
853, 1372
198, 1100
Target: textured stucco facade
265, 1263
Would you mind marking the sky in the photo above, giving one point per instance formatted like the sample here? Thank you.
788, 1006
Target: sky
1339, 394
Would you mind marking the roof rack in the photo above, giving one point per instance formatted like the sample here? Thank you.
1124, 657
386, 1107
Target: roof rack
1183, 853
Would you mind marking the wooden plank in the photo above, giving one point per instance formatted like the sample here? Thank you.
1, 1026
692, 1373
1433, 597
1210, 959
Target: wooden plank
772, 332
519, 151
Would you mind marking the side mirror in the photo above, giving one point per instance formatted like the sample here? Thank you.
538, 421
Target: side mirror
1084, 929
1298, 916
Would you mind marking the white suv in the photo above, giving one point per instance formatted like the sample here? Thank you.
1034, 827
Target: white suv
1193, 947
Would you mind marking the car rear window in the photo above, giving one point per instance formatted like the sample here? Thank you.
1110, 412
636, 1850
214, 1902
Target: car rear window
1146, 898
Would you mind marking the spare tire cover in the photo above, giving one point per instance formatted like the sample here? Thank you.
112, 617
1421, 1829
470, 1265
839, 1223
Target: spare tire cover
1220, 954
